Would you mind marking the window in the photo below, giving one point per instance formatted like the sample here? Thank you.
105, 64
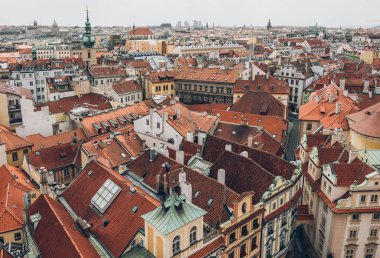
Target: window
176, 244
281, 201
255, 223
329, 189
244, 230
308, 126
321, 241
105, 195
369, 253
25, 151
353, 233
270, 227
273, 206
376, 216
356, 216
232, 237
244, 208
373, 233
350, 253
66, 172
231, 255
147, 122
193, 235
269, 250
14, 156
1, 240
374, 198
282, 241
324, 184
17, 236
253, 243
284, 219
158, 125
363, 198
243, 251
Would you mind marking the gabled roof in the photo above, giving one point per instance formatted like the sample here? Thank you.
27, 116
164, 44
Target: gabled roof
350, 173
12, 141
260, 103
107, 71
11, 208
87, 184
125, 86
215, 75
15, 177
14, 90
271, 85
173, 214
55, 157
187, 121
56, 234
141, 31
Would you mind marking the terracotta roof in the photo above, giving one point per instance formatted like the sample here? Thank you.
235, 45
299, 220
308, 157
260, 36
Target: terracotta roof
271, 85
319, 108
209, 248
90, 100
243, 174
87, 184
4, 253
12, 141
55, 157
14, 90
131, 142
315, 43
240, 134
108, 71
208, 107
349, 173
123, 86
11, 208
139, 109
139, 64
215, 146
334, 153
15, 177
215, 75
108, 149
273, 124
366, 122
42, 142
143, 31
316, 140
260, 103
56, 234
160, 76
187, 121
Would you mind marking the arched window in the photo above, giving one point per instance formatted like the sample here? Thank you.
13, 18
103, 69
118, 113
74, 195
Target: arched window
176, 244
244, 208
193, 235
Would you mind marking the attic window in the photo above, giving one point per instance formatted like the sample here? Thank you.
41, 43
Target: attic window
105, 195
246, 87
113, 123
135, 208
63, 155
210, 202
196, 194
272, 87
97, 127
260, 87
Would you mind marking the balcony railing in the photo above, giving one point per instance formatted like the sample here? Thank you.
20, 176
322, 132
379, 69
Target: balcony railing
15, 120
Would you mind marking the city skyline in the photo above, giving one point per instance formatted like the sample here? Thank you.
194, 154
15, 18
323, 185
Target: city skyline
148, 13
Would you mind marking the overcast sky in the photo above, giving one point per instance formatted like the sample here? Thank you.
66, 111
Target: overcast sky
224, 12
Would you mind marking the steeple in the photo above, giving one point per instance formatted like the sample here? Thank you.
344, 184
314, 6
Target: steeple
269, 25
88, 24
88, 40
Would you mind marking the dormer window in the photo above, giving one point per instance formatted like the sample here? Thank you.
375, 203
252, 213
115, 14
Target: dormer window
244, 208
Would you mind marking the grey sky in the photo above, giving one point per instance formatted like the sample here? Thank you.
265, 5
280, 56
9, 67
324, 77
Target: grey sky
225, 12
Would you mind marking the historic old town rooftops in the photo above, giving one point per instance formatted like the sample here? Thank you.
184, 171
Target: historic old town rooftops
215, 75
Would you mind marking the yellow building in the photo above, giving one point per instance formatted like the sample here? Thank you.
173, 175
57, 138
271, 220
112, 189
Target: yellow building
364, 128
15, 147
143, 40
159, 83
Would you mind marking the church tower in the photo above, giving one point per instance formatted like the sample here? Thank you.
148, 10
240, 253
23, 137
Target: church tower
88, 42
269, 25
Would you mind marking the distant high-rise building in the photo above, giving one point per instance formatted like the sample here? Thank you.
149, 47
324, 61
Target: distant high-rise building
186, 24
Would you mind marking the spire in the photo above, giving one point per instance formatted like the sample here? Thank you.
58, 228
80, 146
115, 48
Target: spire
133, 27
269, 25
88, 40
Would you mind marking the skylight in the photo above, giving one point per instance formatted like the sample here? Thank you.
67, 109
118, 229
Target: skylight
105, 195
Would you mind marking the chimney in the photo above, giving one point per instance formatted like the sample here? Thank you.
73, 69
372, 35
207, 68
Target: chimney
187, 191
228, 147
337, 107
177, 112
342, 84
366, 86
190, 136
151, 112
317, 99
221, 176
352, 155
250, 141
337, 136
259, 125
157, 183
165, 116
244, 154
182, 176
345, 93
152, 155
370, 94
332, 95
267, 75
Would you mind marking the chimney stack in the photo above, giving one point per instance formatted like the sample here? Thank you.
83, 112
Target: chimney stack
187, 191
342, 84
250, 141
190, 136
222, 176
228, 147
152, 155
366, 86
370, 94
338, 107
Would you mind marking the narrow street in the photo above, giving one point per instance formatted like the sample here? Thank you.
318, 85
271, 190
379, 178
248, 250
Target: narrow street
293, 138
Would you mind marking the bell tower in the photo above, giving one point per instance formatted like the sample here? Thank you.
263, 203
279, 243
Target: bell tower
88, 42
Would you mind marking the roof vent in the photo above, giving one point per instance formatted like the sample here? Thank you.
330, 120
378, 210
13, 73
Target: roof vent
106, 222
135, 208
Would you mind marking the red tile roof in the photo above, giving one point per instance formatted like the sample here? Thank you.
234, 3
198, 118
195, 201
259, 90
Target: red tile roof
56, 234
14, 90
87, 185
12, 141
11, 208
366, 122
108, 71
260, 103
41, 142
143, 31
209, 248
4, 253
208, 107
91, 101
215, 75
55, 157
271, 85
15, 177
160, 76
348, 173
123, 86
